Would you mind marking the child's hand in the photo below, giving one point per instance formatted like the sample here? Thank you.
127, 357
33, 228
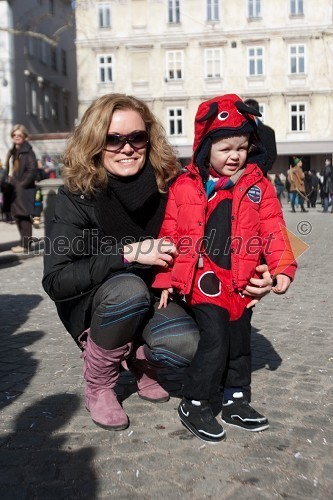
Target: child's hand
259, 287
282, 283
165, 297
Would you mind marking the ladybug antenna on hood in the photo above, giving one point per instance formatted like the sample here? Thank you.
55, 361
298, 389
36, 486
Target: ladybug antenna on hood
244, 108
212, 112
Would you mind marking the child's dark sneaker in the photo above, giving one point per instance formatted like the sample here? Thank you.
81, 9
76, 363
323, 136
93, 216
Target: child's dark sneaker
239, 413
200, 420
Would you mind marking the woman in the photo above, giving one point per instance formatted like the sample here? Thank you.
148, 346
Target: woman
21, 171
102, 246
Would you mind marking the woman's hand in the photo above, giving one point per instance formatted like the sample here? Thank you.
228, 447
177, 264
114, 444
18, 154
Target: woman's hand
259, 286
151, 252
165, 295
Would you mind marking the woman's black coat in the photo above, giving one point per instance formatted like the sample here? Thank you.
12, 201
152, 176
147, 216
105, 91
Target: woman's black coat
23, 181
78, 259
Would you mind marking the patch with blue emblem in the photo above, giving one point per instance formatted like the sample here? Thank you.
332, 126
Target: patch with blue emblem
254, 194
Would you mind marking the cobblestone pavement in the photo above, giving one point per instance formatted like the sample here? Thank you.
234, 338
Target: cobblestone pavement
50, 449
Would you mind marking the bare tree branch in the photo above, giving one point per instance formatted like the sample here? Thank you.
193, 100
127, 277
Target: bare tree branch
51, 40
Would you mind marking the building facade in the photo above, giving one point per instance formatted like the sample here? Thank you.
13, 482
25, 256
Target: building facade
38, 85
176, 53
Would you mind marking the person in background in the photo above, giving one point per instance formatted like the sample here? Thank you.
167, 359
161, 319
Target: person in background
41, 174
38, 206
215, 213
267, 136
296, 178
315, 189
50, 168
7, 191
311, 188
327, 185
287, 186
21, 172
279, 187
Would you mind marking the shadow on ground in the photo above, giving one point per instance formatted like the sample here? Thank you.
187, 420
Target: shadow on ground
35, 464
263, 353
4, 247
17, 365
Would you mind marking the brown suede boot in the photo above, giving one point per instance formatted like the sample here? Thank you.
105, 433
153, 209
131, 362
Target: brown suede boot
101, 372
146, 378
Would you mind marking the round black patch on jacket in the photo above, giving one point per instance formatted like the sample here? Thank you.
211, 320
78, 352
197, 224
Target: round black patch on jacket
209, 284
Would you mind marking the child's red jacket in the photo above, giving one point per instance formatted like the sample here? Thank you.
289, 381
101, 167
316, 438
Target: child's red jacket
258, 232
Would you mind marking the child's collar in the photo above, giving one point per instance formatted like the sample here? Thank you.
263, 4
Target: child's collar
222, 182
234, 178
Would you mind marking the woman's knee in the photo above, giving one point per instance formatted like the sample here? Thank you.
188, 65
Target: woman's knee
172, 336
173, 353
123, 288
119, 311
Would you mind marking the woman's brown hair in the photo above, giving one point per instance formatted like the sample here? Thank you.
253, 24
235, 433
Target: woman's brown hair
83, 169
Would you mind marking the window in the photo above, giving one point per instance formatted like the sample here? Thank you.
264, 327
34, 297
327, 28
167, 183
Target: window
104, 15
46, 106
212, 10
51, 4
213, 63
53, 53
296, 7
41, 104
66, 109
34, 102
55, 105
297, 117
175, 65
254, 8
27, 97
32, 46
175, 121
297, 59
44, 52
255, 61
63, 62
173, 11
105, 68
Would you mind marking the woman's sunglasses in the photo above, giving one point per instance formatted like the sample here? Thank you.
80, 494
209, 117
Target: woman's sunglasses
116, 142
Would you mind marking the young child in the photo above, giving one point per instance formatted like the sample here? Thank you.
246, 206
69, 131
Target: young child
225, 218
